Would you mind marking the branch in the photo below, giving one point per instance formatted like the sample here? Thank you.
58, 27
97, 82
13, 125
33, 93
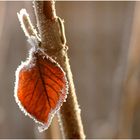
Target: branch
49, 9
51, 30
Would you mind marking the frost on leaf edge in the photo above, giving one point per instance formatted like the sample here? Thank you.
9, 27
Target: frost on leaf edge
42, 126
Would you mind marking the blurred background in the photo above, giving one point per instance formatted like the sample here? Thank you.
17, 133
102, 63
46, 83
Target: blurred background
104, 51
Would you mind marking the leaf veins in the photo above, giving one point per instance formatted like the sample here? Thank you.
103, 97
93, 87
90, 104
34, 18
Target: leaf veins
41, 86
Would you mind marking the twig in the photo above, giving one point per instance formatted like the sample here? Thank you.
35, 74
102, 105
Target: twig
26, 24
53, 41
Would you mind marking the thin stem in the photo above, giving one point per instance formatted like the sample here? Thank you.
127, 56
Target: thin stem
51, 35
26, 24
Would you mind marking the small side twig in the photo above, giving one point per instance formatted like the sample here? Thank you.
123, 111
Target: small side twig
53, 41
26, 24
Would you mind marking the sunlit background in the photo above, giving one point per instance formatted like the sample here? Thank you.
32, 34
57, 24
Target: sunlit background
104, 51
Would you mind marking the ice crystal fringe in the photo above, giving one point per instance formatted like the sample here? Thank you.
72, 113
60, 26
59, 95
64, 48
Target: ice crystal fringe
28, 66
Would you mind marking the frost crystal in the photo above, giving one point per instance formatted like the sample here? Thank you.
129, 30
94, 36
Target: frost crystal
27, 65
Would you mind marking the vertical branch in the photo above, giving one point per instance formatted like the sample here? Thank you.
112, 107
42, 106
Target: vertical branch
49, 9
53, 41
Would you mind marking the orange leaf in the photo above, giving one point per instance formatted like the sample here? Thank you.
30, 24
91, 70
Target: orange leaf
41, 87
